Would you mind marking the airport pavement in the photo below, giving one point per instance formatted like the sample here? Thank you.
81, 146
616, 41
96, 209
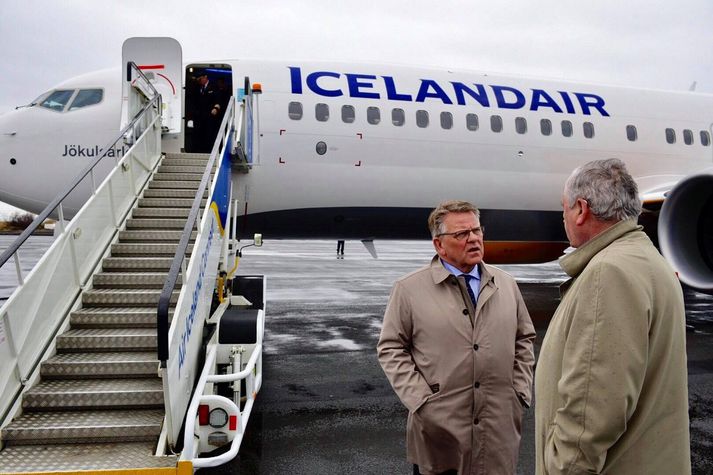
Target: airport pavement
325, 406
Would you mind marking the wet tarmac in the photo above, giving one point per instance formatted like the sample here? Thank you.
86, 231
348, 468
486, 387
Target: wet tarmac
325, 406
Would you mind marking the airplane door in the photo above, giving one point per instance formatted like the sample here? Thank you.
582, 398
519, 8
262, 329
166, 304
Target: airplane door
160, 59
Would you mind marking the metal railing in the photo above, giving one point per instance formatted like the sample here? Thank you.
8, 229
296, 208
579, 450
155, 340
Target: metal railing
36, 311
132, 129
179, 259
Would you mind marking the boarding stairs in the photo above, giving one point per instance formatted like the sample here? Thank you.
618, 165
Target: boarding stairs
102, 386
100, 343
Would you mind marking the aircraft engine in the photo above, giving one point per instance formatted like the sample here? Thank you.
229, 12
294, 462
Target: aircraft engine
685, 231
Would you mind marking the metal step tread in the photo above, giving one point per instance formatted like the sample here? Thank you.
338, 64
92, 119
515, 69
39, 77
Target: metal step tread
66, 394
161, 213
187, 155
74, 458
84, 424
146, 249
168, 203
137, 263
152, 236
172, 193
166, 223
100, 365
174, 184
178, 176
177, 167
124, 297
107, 339
131, 280
126, 317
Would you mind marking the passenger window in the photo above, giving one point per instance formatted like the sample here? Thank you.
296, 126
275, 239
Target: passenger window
86, 97
588, 129
446, 120
546, 126
687, 137
471, 122
631, 133
373, 115
670, 136
496, 123
422, 118
520, 125
294, 110
321, 112
705, 138
398, 117
57, 100
348, 114
566, 128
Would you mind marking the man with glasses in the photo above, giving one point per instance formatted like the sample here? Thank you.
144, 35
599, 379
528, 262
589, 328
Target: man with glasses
611, 382
457, 347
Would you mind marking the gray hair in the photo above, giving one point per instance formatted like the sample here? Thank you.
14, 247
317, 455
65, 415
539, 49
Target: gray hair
608, 188
435, 220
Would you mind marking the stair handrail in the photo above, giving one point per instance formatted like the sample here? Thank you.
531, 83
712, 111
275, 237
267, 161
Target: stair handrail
162, 326
155, 101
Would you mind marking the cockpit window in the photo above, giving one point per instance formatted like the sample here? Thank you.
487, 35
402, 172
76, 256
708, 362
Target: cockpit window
86, 97
57, 100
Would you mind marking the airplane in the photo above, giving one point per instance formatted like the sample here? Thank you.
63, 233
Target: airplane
365, 151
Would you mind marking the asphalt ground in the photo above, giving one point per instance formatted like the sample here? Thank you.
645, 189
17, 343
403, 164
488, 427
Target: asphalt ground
325, 406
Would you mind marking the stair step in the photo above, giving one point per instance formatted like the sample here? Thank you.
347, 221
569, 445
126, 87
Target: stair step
183, 185
171, 168
147, 249
161, 213
77, 393
172, 223
124, 297
187, 156
84, 457
99, 317
107, 339
131, 280
168, 202
100, 365
192, 177
65, 427
172, 193
150, 236
135, 264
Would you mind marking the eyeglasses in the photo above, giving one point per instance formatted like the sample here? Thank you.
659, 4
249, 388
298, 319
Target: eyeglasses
464, 234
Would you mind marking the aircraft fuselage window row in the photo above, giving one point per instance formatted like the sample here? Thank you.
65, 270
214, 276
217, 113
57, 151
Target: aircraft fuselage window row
472, 123
58, 100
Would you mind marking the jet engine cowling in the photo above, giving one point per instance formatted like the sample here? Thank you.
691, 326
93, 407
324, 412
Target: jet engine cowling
685, 231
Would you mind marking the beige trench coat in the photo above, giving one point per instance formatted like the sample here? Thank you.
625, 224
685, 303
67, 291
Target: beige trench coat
611, 381
461, 372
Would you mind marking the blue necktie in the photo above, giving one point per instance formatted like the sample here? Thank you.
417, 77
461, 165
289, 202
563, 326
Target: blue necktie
467, 278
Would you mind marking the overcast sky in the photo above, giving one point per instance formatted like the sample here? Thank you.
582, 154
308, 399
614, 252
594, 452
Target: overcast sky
643, 43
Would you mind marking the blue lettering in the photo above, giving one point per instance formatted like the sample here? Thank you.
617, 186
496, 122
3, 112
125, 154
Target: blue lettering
541, 99
312, 84
296, 79
459, 88
503, 103
355, 86
591, 100
567, 102
391, 93
438, 92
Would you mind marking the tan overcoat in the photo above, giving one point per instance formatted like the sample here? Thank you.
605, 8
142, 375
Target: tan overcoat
611, 381
462, 373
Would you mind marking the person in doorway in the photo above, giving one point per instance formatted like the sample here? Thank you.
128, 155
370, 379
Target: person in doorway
457, 347
611, 380
209, 113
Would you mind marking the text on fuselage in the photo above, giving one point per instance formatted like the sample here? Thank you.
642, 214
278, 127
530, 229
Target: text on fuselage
369, 86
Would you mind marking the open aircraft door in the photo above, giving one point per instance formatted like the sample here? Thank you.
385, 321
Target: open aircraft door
160, 59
